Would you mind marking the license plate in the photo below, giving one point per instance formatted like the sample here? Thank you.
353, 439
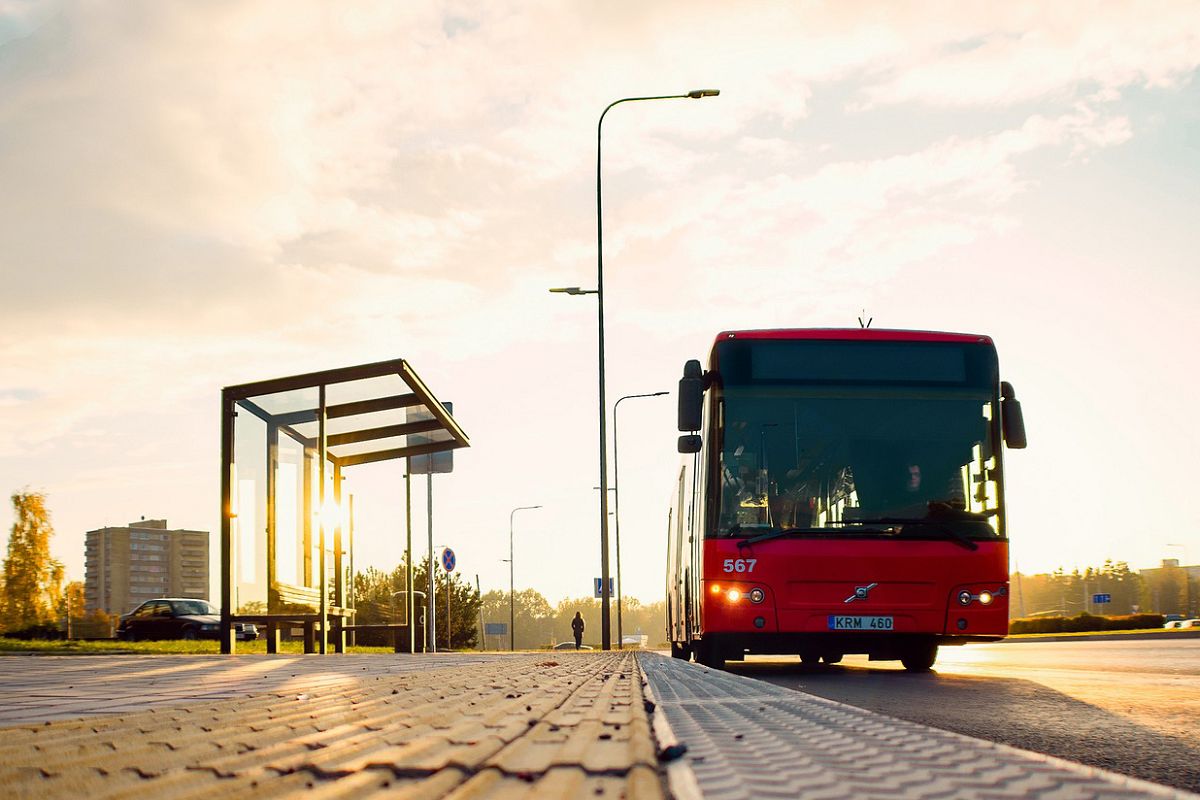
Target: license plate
841, 623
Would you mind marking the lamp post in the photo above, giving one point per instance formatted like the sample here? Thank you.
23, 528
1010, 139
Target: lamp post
512, 616
617, 503
605, 616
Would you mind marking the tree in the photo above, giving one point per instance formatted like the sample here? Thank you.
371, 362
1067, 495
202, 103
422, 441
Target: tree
32, 578
72, 601
463, 608
1069, 594
378, 600
534, 618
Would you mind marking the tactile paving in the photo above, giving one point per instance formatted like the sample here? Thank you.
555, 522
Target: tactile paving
750, 739
518, 727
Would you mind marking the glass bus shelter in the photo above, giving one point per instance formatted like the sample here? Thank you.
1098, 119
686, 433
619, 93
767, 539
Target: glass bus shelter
285, 444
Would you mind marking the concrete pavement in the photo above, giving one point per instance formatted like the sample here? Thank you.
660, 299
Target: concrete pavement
553, 725
549, 725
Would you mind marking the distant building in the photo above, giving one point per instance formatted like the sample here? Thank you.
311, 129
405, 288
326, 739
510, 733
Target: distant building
1193, 571
141, 561
1173, 588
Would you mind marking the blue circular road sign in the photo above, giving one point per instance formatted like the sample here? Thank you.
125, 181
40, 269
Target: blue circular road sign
448, 560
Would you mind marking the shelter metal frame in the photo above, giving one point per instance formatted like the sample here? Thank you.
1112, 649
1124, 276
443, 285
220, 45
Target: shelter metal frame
351, 445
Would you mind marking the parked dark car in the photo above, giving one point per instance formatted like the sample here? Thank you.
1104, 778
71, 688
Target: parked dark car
177, 618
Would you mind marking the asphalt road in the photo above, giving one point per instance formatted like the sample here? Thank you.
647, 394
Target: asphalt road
1132, 707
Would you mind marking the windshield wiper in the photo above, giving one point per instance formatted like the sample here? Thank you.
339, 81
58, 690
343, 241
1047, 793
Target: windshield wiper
937, 525
779, 532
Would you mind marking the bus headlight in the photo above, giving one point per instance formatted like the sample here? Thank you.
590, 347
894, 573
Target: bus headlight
757, 595
985, 597
733, 595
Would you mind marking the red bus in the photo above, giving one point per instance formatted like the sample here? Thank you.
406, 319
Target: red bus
841, 491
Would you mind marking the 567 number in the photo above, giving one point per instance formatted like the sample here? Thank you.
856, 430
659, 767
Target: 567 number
740, 564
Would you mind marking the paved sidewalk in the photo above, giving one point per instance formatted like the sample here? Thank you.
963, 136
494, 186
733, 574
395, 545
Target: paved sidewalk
37, 688
547, 725
750, 739
552, 725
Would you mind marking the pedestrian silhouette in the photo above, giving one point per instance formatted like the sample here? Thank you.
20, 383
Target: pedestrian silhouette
577, 628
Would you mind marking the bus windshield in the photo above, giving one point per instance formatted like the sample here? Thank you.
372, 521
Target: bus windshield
829, 456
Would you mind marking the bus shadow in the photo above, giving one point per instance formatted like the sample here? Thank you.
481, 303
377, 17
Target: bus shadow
1017, 712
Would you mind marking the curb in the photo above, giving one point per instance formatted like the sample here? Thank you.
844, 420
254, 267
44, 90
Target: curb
1099, 636
681, 780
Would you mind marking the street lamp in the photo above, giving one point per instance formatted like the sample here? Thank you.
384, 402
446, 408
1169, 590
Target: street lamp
605, 617
617, 502
512, 617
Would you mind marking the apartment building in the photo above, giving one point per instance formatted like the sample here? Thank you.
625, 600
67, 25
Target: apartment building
143, 560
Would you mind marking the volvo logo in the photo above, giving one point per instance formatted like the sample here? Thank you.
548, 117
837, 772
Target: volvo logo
860, 592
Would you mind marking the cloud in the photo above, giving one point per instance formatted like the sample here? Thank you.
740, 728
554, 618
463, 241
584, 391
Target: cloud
201, 194
1020, 54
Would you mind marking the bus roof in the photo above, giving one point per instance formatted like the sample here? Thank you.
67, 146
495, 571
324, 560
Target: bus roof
854, 334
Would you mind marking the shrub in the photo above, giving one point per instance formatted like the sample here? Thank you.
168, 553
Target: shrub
1081, 623
39, 631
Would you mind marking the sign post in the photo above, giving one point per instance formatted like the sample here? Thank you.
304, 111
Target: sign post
598, 584
497, 629
448, 562
427, 465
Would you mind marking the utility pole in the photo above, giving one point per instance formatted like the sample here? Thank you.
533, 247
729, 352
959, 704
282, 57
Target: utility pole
479, 599
431, 634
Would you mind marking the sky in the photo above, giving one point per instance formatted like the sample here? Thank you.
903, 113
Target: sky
200, 195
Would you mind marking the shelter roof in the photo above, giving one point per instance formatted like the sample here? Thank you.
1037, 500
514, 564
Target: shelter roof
372, 412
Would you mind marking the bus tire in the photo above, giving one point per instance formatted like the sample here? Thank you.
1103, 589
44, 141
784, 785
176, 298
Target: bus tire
920, 658
680, 651
709, 654
809, 659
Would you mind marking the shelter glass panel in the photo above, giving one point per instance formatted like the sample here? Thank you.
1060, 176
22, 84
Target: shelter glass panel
369, 446
353, 422
305, 399
290, 516
249, 504
365, 389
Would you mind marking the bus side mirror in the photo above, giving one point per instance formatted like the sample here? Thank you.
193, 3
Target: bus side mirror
689, 443
691, 397
1011, 420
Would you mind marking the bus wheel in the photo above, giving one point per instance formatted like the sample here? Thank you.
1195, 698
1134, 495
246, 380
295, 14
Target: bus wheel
920, 657
710, 655
809, 659
680, 651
